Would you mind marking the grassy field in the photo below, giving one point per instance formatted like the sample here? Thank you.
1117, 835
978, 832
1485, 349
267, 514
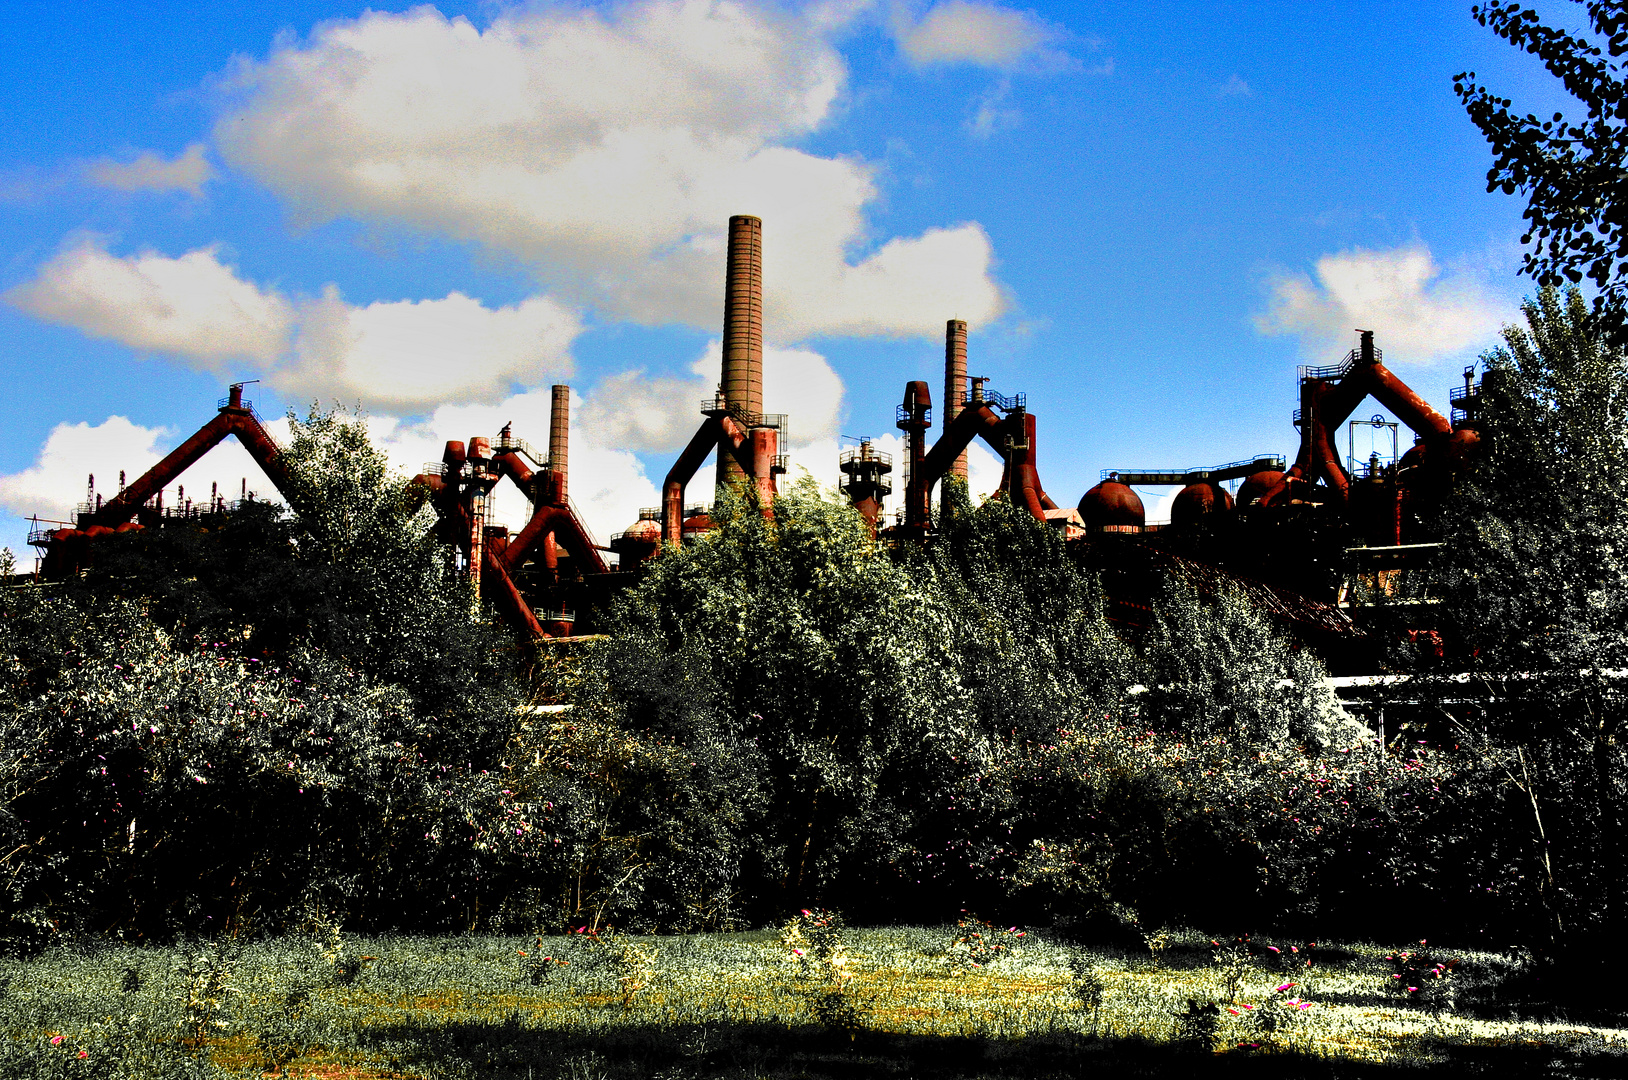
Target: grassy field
818, 1002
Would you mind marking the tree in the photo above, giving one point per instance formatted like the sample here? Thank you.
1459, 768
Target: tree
1536, 585
358, 576
1574, 173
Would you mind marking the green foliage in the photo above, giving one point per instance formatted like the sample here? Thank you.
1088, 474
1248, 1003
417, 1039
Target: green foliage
1535, 581
1570, 171
1218, 668
213, 731
358, 576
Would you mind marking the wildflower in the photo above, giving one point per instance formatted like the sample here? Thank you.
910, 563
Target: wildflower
84, 1053
1284, 987
1234, 1012
57, 1041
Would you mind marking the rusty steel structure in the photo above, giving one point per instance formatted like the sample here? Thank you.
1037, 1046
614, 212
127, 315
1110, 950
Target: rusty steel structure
1004, 423
460, 488
1267, 527
745, 439
140, 504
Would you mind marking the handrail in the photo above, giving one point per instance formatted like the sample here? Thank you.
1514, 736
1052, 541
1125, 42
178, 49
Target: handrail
1228, 471
984, 396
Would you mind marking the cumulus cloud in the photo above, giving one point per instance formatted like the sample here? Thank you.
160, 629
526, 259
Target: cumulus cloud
56, 482
399, 357
658, 415
407, 356
606, 151
1419, 312
608, 483
187, 172
194, 307
969, 32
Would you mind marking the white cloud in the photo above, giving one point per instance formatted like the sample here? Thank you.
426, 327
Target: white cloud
397, 357
409, 356
633, 411
1235, 87
606, 152
193, 307
968, 32
56, 482
1418, 312
151, 172
607, 483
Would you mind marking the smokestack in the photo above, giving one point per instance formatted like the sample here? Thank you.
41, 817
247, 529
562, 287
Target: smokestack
955, 381
743, 330
559, 440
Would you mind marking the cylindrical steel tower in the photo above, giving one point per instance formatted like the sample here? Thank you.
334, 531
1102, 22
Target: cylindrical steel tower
559, 440
743, 331
955, 382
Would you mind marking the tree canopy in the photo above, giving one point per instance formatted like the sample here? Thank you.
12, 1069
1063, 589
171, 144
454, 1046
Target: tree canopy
1574, 172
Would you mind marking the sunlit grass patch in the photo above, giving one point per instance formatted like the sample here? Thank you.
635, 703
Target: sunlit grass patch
740, 1005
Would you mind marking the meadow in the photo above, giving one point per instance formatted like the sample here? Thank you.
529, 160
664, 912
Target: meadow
810, 999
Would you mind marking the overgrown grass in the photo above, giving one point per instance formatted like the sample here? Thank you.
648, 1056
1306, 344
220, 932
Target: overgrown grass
802, 1001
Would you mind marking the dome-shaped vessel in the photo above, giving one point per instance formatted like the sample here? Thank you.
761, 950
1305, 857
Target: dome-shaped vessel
1198, 500
697, 524
1112, 507
1256, 485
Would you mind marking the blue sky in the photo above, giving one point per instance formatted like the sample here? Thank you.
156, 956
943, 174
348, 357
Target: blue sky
1150, 213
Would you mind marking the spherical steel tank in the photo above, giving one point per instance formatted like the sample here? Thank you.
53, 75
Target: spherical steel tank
1198, 500
644, 529
1256, 485
641, 541
697, 525
1112, 507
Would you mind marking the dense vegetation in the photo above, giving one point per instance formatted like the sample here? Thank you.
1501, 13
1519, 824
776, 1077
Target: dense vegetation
297, 718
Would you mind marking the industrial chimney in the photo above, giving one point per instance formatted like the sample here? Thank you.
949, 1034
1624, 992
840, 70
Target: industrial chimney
559, 442
955, 382
743, 332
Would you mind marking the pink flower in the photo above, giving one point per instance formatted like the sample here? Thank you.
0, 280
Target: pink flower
1235, 1012
57, 1041
1274, 948
84, 1053
1284, 987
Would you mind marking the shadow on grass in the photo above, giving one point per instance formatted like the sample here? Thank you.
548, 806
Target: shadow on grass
733, 1051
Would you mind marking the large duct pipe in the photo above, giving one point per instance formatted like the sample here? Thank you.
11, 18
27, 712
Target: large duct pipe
914, 420
559, 442
743, 331
955, 382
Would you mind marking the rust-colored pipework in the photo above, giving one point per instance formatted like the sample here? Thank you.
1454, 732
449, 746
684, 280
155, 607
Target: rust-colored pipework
234, 418
1012, 436
915, 416
732, 441
1328, 398
460, 493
